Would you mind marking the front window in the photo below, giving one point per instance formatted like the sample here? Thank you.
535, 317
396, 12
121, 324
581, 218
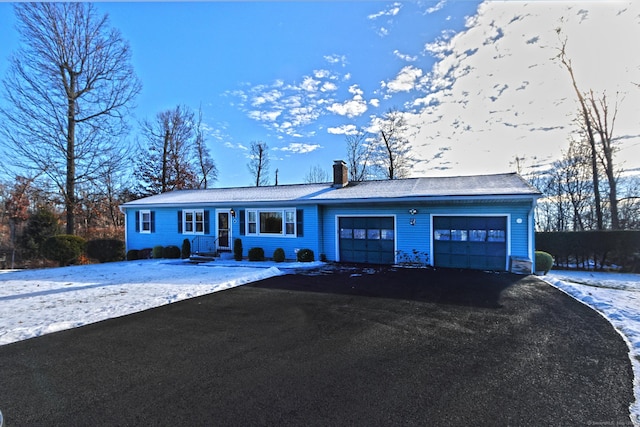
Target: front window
272, 222
193, 221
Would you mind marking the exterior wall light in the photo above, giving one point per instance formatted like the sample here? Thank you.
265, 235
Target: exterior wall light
413, 211
233, 213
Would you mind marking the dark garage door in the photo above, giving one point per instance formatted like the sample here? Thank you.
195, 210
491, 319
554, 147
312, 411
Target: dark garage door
367, 240
470, 242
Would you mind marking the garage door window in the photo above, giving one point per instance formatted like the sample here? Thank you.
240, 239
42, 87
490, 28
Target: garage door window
477, 235
496, 236
442, 235
459, 235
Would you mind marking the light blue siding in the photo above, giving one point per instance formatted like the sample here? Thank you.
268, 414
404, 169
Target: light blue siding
413, 231
166, 231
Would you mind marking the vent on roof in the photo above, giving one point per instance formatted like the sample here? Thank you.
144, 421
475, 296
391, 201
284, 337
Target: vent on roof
340, 175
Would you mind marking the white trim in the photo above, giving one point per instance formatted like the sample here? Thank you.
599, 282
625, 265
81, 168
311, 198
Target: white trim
337, 231
141, 214
283, 211
508, 237
217, 225
194, 222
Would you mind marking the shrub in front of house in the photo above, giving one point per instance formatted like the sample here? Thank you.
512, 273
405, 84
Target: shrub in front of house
186, 249
171, 252
305, 255
544, 262
133, 254
237, 249
106, 250
64, 248
278, 255
156, 252
256, 254
145, 253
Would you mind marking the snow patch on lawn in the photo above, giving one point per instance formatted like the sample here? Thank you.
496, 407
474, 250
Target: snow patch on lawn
38, 302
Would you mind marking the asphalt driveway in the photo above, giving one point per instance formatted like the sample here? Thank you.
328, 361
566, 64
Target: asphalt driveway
352, 346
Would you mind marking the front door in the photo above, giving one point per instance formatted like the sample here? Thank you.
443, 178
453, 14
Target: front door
224, 230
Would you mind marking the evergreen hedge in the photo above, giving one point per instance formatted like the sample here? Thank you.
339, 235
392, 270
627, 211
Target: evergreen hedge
64, 248
592, 250
106, 250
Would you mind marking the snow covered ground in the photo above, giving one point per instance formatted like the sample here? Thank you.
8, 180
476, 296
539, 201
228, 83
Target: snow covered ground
617, 297
37, 302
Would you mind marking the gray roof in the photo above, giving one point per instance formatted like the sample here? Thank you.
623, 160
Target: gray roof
499, 186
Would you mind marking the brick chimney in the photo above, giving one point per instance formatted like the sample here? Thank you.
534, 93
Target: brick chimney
340, 175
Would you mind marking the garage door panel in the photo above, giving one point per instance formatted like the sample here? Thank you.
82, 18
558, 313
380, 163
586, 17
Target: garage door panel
470, 242
371, 241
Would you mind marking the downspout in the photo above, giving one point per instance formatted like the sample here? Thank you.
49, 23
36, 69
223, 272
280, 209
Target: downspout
532, 234
126, 240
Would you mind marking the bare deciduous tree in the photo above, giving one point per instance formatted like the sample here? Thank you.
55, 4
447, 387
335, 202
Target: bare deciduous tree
166, 164
316, 175
603, 120
358, 155
68, 90
206, 166
259, 163
393, 152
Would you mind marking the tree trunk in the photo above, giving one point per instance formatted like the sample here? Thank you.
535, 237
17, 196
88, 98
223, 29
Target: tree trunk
71, 156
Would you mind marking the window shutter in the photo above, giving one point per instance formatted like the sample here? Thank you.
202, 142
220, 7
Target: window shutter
242, 226
153, 221
137, 221
206, 222
179, 221
299, 222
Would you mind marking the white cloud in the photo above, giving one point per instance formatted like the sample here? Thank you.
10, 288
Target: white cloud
496, 90
336, 59
351, 108
393, 10
343, 130
374, 102
437, 7
328, 87
264, 116
405, 57
309, 84
405, 80
299, 148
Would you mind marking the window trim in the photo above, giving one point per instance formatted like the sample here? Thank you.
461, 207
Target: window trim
142, 221
253, 225
194, 222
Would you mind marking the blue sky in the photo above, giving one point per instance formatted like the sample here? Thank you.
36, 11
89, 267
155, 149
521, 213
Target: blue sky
299, 75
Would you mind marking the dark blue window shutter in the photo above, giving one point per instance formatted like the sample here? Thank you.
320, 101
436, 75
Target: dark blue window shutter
137, 221
242, 226
206, 222
179, 221
153, 221
299, 222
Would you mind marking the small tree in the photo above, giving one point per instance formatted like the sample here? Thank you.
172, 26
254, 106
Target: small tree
237, 249
40, 226
186, 249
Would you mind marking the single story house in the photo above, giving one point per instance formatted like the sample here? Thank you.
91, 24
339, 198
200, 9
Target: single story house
476, 222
